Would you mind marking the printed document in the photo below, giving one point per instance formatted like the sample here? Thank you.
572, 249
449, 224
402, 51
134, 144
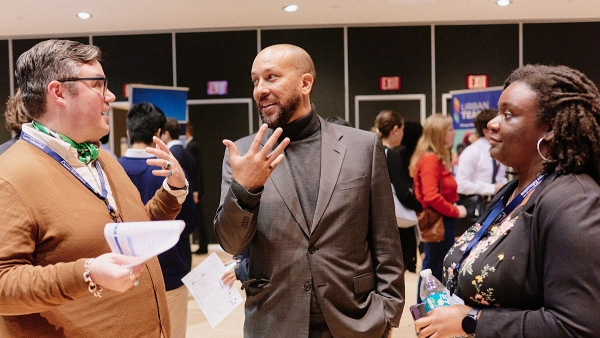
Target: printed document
143, 239
216, 299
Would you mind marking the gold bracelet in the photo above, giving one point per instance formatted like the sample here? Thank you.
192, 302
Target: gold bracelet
92, 287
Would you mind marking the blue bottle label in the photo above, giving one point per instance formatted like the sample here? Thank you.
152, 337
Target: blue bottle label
436, 300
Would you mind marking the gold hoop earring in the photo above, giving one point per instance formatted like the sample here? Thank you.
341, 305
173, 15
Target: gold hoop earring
538, 149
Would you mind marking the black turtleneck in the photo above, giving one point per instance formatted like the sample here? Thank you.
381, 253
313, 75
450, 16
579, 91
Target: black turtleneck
303, 127
303, 155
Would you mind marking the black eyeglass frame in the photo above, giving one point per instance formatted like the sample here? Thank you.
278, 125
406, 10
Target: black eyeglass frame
95, 78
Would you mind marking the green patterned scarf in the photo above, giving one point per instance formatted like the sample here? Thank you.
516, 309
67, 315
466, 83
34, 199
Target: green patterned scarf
87, 151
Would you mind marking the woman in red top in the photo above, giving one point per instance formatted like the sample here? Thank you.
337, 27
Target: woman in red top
434, 185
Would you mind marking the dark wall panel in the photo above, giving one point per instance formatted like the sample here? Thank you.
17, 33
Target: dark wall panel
368, 110
576, 45
474, 49
145, 59
374, 52
216, 56
326, 48
212, 124
4, 88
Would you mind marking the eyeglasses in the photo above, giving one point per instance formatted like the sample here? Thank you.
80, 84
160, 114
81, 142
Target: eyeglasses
96, 78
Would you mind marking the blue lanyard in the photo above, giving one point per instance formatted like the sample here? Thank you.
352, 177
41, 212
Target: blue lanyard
498, 214
103, 196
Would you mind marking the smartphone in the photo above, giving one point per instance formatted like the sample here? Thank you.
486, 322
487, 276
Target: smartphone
418, 310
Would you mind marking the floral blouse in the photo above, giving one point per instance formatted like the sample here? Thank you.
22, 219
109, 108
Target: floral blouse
474, 270
535, 274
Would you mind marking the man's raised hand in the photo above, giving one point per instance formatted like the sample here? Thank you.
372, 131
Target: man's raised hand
254, 168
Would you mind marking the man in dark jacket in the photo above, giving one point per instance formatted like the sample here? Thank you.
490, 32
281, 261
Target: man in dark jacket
144, 121
200, 236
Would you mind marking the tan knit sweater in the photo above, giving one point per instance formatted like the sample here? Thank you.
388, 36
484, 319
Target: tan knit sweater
49, 224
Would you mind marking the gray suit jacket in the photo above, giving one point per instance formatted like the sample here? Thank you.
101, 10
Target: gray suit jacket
351, 257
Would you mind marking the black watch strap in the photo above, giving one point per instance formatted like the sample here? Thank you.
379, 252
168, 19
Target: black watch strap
185, 187
469, 323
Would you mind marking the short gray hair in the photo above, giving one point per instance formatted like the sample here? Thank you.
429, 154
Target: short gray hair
48, 61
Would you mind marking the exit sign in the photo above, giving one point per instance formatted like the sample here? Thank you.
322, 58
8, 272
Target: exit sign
216, 88
477, 81
389, 83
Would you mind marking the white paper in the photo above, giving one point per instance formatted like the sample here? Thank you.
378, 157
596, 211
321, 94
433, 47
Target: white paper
143, 239
216, 300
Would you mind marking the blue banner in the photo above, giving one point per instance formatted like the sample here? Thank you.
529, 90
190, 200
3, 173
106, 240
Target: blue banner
466, 104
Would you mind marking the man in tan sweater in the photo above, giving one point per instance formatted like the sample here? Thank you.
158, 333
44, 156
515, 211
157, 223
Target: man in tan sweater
57, 192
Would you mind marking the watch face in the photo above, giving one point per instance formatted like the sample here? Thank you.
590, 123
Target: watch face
469, 324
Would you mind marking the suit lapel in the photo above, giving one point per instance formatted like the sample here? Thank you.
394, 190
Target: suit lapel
283, 181
332, 156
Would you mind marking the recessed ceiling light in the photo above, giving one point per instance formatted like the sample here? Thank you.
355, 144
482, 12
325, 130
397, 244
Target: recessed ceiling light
84, 15
503, 2
290, 8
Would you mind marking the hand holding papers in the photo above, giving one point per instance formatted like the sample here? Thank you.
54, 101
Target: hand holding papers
216, 300
143, 239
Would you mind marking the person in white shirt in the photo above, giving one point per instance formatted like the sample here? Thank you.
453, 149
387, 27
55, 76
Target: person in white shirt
477, 173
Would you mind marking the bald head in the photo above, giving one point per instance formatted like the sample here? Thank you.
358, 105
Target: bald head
294, 56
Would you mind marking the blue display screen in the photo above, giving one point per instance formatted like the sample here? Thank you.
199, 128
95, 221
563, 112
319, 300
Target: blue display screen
172, 101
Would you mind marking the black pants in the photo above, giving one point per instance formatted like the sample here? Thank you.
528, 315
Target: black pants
408, 239
200, 235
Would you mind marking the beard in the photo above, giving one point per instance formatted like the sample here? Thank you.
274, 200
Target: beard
284, 115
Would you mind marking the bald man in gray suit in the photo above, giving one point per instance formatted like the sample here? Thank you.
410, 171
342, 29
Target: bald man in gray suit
312, 202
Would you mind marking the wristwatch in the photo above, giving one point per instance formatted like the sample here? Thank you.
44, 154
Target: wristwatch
186, 187
469, 323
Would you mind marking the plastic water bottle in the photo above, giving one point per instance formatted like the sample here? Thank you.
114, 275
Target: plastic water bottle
432, 291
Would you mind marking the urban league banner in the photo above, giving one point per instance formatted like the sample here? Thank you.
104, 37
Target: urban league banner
466, 104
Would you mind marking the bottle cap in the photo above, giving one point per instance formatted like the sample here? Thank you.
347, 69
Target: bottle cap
425, 273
